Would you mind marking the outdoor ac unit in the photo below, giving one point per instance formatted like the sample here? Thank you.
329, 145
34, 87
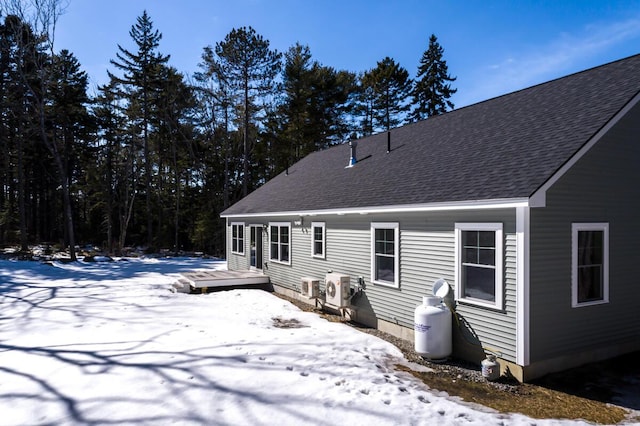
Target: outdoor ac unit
337, 289
310, 287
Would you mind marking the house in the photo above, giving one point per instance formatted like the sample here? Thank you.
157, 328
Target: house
526, 204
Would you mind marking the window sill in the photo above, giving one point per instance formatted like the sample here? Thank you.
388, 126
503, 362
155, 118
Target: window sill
480, 303
278, 262
386, 284
592, 303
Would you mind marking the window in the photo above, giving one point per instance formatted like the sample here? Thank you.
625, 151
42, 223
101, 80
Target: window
590, 264
479, 263
280, 242
237, 238
385, 258
317, 239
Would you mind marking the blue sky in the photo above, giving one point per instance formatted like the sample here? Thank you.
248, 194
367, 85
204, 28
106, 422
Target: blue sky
492, 47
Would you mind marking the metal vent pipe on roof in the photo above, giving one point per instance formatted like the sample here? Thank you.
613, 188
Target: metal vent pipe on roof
353, 159
388, 141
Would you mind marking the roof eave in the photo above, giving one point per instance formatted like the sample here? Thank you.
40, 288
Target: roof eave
502, 203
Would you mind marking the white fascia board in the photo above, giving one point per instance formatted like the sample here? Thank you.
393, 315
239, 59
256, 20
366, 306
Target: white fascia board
409, 208
538, 198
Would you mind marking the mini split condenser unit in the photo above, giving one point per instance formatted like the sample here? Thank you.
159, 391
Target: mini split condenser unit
337, 290
310, 288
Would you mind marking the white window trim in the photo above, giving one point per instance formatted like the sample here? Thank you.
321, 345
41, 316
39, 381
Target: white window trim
244, 237
575, 228
499, 289
279, 225
324, 240
396, 261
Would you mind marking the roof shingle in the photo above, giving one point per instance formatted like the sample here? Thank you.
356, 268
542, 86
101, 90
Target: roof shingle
502, 148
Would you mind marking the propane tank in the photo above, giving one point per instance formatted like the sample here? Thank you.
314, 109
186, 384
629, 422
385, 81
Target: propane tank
432, 329
490, 368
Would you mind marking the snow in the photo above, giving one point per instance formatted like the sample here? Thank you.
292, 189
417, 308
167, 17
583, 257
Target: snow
108, 343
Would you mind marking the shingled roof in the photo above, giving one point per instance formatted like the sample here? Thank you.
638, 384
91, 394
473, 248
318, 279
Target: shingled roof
502, 148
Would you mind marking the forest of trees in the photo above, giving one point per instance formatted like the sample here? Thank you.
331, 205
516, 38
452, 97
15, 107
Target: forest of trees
154, 156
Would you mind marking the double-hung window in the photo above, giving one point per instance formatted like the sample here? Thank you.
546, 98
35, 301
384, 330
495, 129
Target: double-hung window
479, 254
590, 264
385, 254
280, 242
237, 238
318, 239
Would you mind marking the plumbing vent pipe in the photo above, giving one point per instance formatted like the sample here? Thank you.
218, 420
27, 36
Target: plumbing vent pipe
353, 160
388, 142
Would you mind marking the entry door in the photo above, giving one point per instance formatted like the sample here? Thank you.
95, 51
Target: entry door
255, 249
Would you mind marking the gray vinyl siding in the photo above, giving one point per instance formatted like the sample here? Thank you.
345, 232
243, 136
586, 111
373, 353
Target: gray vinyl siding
341, 238
603, 186
427, 253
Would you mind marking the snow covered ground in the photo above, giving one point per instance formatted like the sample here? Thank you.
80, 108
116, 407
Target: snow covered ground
108, 343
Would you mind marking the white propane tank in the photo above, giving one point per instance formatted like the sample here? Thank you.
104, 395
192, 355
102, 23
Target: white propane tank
490, 368
432, 329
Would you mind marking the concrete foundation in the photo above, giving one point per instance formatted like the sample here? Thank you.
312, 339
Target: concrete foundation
474, 353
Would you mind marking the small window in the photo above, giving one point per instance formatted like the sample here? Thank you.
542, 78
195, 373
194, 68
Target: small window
280, 242
590, 264
317, 239
237, 238
385, 257
479, 263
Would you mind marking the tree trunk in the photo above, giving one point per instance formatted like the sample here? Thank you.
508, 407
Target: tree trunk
245, 138
22, 211
225, 190
147, 171
176, 223
124, 222
66, 193
109, 191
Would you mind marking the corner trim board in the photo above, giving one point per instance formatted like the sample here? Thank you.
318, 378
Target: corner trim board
522, 285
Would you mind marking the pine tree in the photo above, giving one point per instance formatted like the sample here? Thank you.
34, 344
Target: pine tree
175, 154
312, 112
364, 108
387, 87
18, 50
113, 177
432, 89
216, 106
142, 77
294, 114
250, 67
331, 105
69, 119
68, 97
32, 25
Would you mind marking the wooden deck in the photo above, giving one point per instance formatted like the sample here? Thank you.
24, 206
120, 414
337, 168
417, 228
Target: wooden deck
201, 281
